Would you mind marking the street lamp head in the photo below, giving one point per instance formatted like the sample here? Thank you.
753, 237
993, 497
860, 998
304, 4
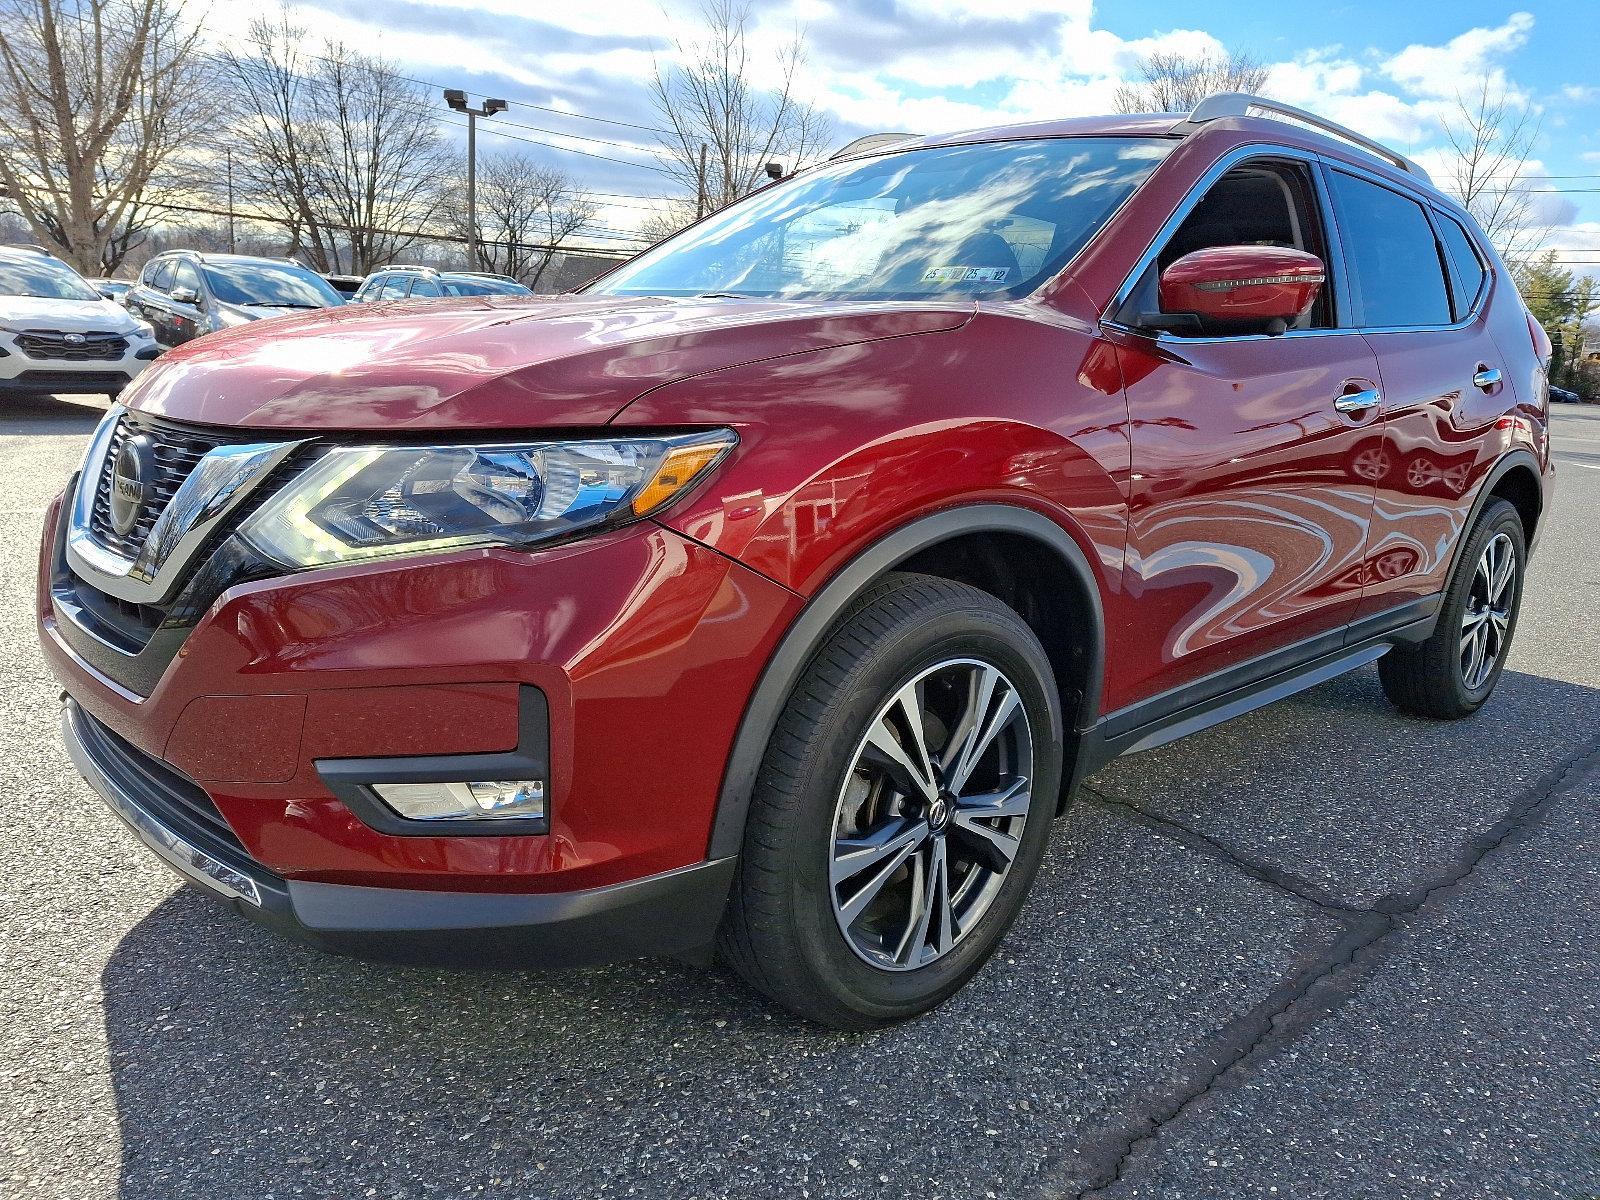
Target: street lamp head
490, 107
774, 170
456, 99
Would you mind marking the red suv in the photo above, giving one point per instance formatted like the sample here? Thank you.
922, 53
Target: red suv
774, 592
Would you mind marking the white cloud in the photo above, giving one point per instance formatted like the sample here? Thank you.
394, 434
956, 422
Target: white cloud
1440, 70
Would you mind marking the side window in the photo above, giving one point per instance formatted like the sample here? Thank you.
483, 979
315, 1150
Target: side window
1466, 267
161, 277
394, 287
185, 276
1393, 259
422, 286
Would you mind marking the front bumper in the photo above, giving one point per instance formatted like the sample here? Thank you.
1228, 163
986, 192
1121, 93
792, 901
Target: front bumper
675, 912
23, 374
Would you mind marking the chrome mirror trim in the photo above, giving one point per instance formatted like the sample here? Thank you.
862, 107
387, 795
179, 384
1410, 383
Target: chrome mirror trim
220, 480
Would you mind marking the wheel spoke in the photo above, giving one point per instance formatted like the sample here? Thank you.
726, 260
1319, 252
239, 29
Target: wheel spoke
851, 856
909, 951
1470, 626
942, 926
909, 767
991, 714
980, 690
852, 908
1504, 568
1010, 801
1474, 668
991, 847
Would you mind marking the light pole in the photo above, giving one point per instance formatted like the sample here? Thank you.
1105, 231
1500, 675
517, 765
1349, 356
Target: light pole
457, 100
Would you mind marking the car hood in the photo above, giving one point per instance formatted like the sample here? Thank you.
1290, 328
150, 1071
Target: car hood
518, 362
65, 316
255, 312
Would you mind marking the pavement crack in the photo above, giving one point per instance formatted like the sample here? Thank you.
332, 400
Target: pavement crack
1307, 995
1193, 839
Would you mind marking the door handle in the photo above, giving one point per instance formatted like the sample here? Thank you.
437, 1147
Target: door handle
1486, 378
1359, 401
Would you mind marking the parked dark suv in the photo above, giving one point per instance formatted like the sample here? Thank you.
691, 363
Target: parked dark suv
776, 591
184, 293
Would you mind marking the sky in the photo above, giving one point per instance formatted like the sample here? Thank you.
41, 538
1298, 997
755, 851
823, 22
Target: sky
576, 72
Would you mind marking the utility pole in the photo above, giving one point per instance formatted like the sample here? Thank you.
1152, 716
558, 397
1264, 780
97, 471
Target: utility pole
700, 186
457, 100
233, 244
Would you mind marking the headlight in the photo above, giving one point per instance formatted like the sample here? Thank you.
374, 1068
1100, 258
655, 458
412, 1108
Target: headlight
366, 502
144, 329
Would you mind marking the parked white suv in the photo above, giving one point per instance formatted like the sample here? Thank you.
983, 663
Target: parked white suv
57, 334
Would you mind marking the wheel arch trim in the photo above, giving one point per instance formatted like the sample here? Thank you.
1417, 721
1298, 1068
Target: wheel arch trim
1508, 462
807, 631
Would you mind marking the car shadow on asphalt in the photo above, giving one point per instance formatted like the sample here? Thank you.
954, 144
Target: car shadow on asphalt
48, 416
246, 1064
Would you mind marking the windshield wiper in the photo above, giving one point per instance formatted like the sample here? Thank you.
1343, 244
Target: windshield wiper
723, 296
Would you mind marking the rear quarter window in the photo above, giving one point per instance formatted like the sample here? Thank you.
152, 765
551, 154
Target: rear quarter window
1466, 266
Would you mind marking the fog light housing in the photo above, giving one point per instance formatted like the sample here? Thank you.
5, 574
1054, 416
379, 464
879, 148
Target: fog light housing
467, 800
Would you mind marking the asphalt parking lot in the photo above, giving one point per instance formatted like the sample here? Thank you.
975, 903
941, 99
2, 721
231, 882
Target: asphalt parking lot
1322, 951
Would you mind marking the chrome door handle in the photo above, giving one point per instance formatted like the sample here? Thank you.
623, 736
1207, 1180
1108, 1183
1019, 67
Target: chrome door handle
1359, 401
1486, 378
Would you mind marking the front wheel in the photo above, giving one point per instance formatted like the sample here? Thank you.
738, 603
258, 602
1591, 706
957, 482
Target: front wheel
902, 807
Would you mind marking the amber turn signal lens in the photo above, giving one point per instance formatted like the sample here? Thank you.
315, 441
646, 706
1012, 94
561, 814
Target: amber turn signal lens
677, 470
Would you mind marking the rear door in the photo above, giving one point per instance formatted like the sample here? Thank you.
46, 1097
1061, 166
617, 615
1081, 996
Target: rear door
1419, 287
1248, 513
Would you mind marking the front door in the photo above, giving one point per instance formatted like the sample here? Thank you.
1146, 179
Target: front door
1248, 506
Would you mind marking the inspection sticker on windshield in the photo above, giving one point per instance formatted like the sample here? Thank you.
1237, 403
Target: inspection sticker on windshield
966, 274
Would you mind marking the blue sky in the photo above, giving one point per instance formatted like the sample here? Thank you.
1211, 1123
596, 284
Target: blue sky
1389, 69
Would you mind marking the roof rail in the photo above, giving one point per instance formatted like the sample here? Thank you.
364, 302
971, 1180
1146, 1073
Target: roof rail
1241, 104
873, 141
407, 267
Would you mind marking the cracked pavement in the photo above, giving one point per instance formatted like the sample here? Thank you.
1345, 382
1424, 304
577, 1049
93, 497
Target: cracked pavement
1322, 950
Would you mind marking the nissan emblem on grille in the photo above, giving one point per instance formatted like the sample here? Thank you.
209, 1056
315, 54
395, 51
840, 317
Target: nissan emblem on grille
130, 479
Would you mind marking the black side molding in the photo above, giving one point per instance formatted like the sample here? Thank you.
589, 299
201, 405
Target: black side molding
350, 779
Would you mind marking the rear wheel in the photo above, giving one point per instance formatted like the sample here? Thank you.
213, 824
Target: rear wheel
1452, 673
902, 809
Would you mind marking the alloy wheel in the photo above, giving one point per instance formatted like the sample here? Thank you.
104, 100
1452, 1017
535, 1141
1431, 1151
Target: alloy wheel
1487, 618
930, 815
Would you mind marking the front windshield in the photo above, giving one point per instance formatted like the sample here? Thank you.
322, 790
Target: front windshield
43, 279
985, 219
269, 285
483, 287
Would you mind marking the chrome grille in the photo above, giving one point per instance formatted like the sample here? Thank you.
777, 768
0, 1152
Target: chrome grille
89, 347
177, 450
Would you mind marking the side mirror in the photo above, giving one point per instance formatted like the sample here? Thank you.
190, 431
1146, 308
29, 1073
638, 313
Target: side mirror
1241, 286
187, 295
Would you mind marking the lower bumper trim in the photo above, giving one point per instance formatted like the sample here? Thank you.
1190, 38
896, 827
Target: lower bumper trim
675, 912
188, 860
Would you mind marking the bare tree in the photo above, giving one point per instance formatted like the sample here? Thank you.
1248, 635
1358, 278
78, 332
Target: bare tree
336, 144
526, 211
666, 219
96, 98
1175, 83
723, 129
1492, 137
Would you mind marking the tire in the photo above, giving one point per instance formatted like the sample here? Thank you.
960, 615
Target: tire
1439, 677
832, 793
